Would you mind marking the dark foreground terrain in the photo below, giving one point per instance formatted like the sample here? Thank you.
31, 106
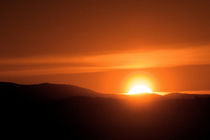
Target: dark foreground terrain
49, 111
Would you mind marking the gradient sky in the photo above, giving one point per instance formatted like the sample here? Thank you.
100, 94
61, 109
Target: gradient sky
98, 44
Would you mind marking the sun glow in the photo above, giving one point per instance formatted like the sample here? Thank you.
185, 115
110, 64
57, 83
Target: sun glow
139, 89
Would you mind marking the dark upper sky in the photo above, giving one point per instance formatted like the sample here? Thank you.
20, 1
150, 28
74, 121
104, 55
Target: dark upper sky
51, 37
42, 27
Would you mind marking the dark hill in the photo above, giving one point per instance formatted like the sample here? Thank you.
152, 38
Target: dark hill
45, 91
53, 111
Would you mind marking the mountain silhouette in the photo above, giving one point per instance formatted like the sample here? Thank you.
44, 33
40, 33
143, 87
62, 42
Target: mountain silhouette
46, 91
56, 111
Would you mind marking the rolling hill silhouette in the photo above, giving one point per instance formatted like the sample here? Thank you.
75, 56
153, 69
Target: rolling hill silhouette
53, 111
45, 91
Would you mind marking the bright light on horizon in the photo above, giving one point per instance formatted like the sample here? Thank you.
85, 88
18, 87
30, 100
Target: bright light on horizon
139, 89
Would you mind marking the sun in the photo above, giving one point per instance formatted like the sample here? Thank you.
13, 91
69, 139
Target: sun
139, 89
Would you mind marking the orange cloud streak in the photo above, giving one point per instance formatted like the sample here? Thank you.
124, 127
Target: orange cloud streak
159, 58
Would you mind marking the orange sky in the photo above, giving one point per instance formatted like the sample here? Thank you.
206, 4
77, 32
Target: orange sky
98, 44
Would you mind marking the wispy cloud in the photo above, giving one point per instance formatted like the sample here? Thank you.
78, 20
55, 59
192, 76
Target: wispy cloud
83, 64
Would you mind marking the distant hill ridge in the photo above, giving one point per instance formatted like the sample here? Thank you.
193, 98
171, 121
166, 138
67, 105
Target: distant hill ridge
46, 90
50, 91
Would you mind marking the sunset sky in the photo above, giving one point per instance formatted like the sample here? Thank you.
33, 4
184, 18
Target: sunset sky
103, 44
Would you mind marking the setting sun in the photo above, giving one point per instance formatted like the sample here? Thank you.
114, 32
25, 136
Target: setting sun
139, 89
